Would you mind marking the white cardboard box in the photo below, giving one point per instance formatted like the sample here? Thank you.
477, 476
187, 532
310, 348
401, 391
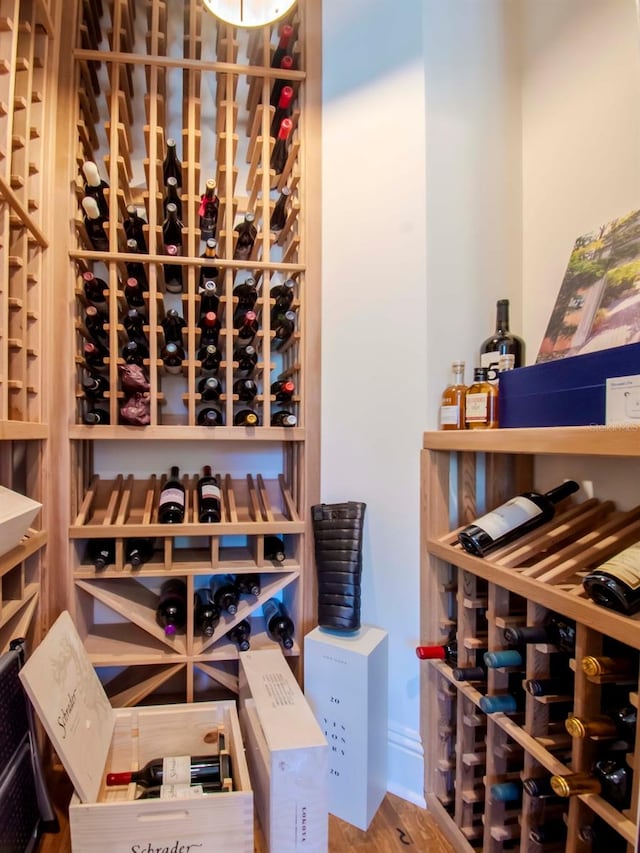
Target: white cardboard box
287, 755
345, 682
93, 739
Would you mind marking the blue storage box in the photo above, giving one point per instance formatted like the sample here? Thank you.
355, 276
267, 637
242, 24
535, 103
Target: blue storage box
565, 392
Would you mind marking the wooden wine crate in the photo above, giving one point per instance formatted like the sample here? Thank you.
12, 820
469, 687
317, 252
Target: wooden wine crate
287, 752
92, 739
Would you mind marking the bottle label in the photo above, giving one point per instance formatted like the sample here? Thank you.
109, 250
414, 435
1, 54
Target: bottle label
180, 791
449, 415
491, 360
625, 566
476, 407
508, 516
176, 770
174, 496
210, 490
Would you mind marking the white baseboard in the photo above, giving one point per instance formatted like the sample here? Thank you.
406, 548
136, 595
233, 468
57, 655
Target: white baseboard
405, 771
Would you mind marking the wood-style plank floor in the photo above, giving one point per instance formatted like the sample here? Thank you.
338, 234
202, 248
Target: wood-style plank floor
397, 826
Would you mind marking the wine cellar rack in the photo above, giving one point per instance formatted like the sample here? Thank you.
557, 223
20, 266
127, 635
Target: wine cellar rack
468, 751
140, 74
27, 51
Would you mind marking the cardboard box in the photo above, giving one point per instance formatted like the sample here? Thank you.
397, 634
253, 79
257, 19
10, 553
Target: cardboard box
287, 755
565, 392
93, 739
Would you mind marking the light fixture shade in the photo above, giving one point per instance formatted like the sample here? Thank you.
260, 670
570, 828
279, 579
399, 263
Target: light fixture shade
249, 13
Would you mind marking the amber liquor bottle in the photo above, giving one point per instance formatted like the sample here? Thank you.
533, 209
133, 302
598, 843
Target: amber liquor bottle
452, 404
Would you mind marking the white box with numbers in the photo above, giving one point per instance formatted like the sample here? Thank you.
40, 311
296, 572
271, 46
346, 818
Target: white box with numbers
345, 682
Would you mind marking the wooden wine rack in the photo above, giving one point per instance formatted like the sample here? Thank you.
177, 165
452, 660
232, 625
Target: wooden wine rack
26, 51
466, 750
140, 73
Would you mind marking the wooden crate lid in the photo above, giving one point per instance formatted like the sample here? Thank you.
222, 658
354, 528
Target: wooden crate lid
74, 709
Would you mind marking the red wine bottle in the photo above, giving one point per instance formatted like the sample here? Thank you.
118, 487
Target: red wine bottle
274, 549
94, 291
172, 196
171, 610
210, 417
286, 63
209, 500
246, 294
283, 110
94, 386
283, 390
616, 583
447, 651
206, 613
133, 323
283, 295
209, 388
94, 355
246, 389
246, 417
94, 187
225, 593
248, 584
283, 419
93, 224
171, 166
94, 324
240, 634
513, 519
135, 352
102, 552
246, 322
209, 271
279, 623
133, 294
502, 342
247, 233
247, 358
281, 148
209, 299
555, 630
172, 499
283, 325
172, 355
208, 210
94, 417
283, 49
209, 329
134, 228
139, 551
279, 215
185, 770
209, 358
172, 326
135, 269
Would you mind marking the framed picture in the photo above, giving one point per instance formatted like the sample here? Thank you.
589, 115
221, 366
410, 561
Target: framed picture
598, 305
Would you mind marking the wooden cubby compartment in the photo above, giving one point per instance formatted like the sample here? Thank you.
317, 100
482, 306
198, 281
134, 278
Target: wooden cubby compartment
466, 750
142, 73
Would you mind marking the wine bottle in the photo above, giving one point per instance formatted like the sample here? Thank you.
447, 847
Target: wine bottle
206, 613
94, 355
172, 499
470, 673
283, 325
274, 549
133, 294
93, 225
94, 187
549, 686
209, 499
283, 294
209, 329
133, 225
246, 294
448, 652
512, 519
172, 197
279, 215
240, 634
133, 323
208, 210
135, 269
94, 386
209, 358
172, 355
209, 299
94, 291
601, 836
452, 403
281, 148
286, 64
610, 668
503, 658
550, 832
248, 584
283, 390
247, 358
177, 792
481, 402
502, 703
611, 777
246, 417
501, 342
246, 322
139, 551
208, 271
172, 272
172, 230
209, 388
172, 326
555, 630
225, 593
505, 792
134, 352
618, 723
177, 770
283, 419
94, 324
283, 48
246, 389
615, 584
278, 622
101, 552
94, 417
210, 417
283, 110
171, 610
247, 233
171, 166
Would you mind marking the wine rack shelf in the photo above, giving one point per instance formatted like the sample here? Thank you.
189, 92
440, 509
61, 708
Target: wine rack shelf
27, 49
467, 750
139, 75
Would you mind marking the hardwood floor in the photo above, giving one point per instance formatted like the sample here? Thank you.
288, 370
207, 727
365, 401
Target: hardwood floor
397, 826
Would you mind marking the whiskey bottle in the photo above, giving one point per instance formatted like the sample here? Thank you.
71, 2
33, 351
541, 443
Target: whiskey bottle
481, 402
452, 404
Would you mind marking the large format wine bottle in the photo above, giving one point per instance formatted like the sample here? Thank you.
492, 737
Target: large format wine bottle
177, 770
209, 502
278, 622
502, 342
453, 397
171, 610
171, 504
616, 583
513, 518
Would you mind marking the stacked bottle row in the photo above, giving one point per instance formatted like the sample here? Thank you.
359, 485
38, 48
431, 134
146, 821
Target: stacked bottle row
532, 712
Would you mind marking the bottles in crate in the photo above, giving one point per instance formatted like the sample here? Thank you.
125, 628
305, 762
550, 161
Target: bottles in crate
209, 388
610, 777
245, 389
279, 215
447, 651
209, 357
283, 325
278, 622
281, 147
283, 390
247, 359
95, 416
172, 499
171, 610
209, 299
283, 295
94, 385
172, 197
211, 770
172, 355
555, 630
247, 295
135, 269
